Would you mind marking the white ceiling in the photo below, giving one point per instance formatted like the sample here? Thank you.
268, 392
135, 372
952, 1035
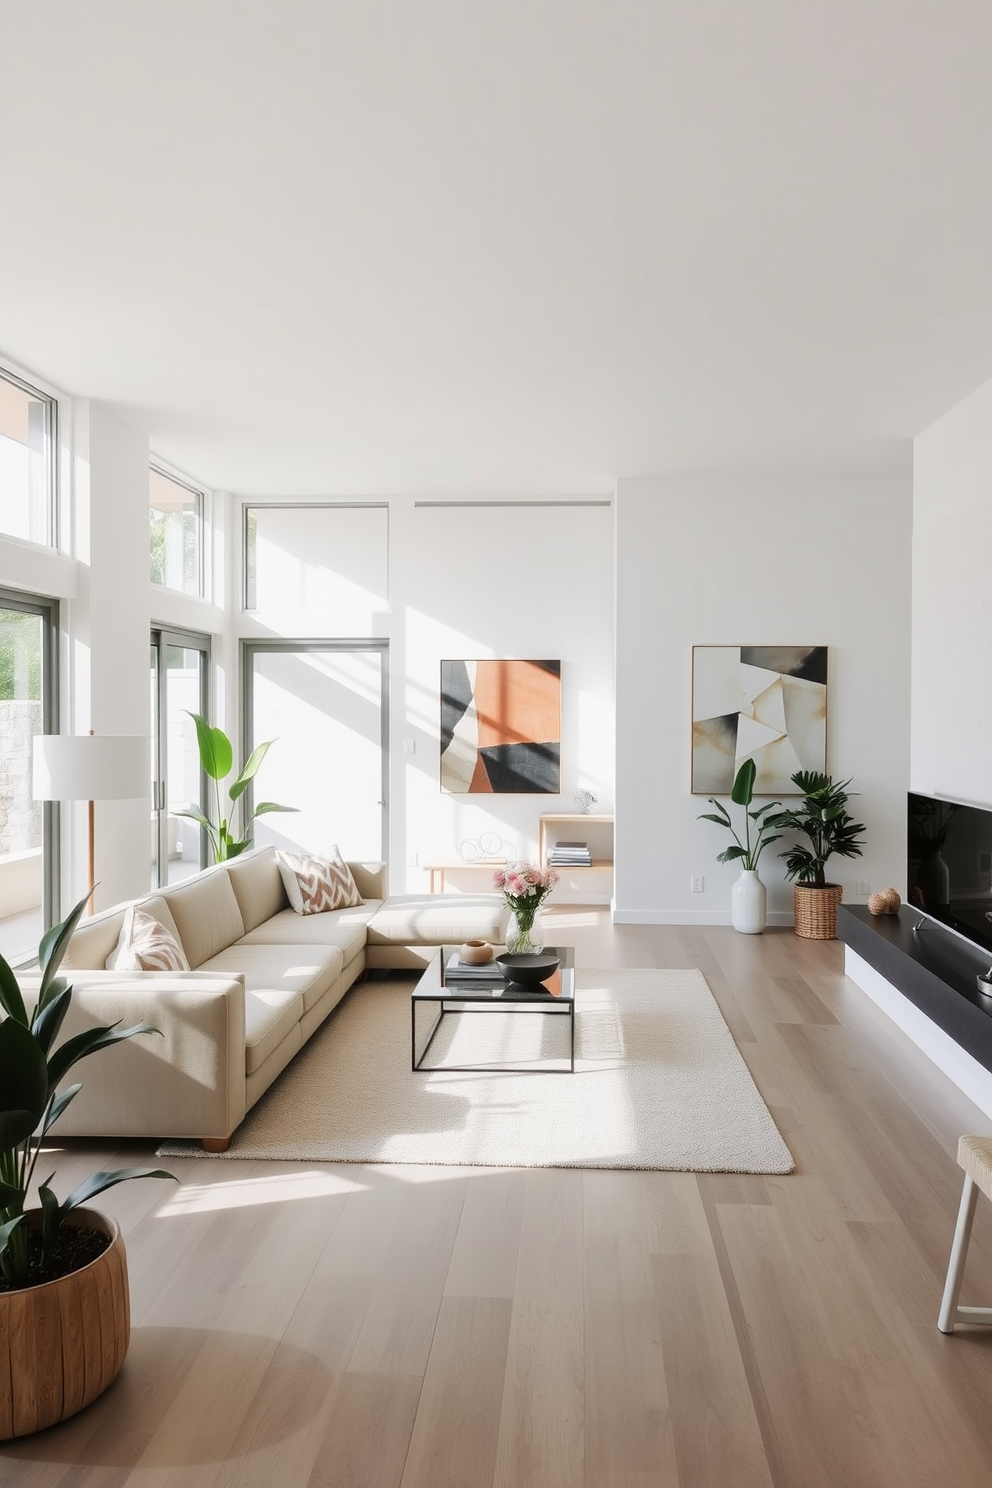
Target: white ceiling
500, 246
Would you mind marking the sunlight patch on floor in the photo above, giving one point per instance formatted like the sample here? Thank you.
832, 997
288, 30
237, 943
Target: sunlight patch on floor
243, 1193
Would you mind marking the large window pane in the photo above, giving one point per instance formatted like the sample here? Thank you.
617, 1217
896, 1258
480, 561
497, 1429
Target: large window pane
27, 427
316, 558
176, 516
179, 667
22, 819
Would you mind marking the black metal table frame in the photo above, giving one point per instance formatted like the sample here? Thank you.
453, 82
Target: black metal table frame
450, 1000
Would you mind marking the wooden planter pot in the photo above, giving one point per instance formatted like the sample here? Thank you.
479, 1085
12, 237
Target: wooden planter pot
816, 910
63, 1343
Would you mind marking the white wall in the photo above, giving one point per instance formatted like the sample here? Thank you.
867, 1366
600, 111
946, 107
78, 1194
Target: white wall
776, 561
491, 581
472, 581
952, 604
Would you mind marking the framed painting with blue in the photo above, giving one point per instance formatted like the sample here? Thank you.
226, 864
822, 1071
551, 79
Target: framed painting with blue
501, 727
766, 703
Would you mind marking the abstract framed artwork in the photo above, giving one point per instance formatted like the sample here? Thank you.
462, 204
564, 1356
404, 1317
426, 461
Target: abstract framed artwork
766, 703
501, 727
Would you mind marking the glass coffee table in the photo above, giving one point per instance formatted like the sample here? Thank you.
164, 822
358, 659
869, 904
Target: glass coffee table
463, 996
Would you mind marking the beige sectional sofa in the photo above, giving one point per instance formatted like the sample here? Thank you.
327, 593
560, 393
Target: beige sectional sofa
264, 979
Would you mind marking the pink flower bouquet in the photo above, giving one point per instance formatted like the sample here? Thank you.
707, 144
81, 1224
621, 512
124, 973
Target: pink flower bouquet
524, 887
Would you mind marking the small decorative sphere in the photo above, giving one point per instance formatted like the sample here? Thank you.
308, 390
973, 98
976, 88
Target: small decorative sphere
886, 902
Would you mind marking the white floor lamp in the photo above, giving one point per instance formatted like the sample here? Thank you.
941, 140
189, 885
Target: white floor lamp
90, 767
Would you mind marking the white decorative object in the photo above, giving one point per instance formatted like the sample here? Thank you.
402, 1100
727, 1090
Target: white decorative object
748, 902
584, 799
490, 847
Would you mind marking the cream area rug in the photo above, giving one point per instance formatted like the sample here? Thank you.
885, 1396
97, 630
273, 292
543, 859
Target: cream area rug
658, 1083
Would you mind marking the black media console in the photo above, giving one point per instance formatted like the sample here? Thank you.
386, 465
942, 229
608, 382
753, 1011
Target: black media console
932, 967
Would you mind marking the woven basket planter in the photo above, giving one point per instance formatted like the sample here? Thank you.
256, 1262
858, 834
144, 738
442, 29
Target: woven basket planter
62, 1343
816, 910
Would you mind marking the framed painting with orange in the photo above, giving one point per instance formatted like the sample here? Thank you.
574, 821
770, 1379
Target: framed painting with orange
501, 727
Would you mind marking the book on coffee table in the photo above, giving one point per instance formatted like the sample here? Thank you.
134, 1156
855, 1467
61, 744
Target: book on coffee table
456, 967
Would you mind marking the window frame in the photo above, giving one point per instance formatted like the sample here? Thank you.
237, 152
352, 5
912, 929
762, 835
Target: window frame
53, 461
161, 637
249, 506
50, 611
175, 478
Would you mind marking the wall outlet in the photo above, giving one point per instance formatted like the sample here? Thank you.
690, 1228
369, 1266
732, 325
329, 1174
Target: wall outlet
864, 887
409, 746
697, 883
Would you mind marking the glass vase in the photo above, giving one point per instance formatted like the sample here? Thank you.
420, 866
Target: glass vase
525, 935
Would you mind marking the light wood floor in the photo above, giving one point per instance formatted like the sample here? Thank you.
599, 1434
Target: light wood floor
447, 1328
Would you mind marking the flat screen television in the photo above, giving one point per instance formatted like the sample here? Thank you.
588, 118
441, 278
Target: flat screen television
949, 865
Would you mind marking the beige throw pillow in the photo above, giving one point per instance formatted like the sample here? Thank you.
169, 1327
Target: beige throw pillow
318, 882
145, 945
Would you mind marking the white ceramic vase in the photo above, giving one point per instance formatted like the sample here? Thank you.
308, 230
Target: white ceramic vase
748, 903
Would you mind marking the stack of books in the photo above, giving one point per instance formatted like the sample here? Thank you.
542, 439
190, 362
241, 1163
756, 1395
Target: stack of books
457, 969
570, 855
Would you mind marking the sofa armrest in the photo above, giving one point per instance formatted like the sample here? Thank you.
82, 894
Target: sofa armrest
370, 879
186, 1081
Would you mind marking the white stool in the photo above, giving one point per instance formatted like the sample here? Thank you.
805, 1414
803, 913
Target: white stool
975, 1156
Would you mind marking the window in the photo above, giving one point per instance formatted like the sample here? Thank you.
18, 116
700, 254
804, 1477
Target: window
27, 461
317, 557
176, 514
28, 829
180, 665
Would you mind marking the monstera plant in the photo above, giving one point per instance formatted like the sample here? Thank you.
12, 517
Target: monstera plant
217, 761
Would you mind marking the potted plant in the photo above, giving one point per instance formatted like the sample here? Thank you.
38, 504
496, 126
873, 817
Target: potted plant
748, 899
824, 821
64, 1314
217, 762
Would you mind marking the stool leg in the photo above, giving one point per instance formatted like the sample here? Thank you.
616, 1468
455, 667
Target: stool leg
959, 1252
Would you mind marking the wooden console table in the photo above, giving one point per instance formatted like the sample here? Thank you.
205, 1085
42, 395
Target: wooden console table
438, 867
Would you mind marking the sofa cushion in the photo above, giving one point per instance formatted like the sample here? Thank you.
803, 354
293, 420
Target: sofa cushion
95, 939
145, 944
206, 914
306, 971
257, 885
438, 919
270, 1016
344, 928
317, 882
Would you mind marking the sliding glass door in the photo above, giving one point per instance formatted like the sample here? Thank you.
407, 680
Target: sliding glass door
179, 676
28, 828
324, 702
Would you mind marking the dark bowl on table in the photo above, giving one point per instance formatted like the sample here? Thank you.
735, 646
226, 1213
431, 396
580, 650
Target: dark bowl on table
530, 969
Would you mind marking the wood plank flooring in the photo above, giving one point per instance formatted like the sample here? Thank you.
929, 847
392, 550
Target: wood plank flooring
404, 1327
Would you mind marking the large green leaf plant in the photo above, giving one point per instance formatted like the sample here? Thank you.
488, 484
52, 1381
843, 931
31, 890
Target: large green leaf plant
758, 825
217, 761
31, 1068
823, 818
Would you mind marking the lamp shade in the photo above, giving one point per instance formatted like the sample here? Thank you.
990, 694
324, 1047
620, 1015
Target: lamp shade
90, 767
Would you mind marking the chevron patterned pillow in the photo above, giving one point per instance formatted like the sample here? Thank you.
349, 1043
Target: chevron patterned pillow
318, 882
145, 945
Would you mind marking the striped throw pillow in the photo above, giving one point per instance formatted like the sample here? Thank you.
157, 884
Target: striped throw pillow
145, 945
316, 883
